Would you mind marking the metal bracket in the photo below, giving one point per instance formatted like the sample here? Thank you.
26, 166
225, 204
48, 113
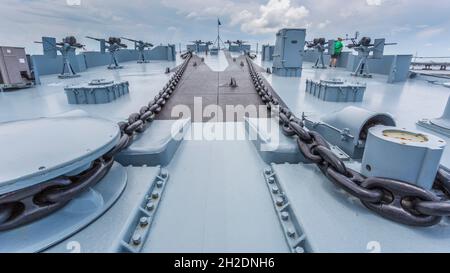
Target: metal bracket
345, 133
293, 233
138, 228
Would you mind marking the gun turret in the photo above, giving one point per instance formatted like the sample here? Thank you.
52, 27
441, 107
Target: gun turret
365, 41
114, 45
364, 48
66, 46
71, 41
316, 42
239, 42
116, 41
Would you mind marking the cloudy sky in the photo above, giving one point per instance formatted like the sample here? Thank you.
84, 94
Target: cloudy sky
419, 26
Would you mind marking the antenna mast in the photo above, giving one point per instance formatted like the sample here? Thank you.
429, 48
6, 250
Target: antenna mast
218, 39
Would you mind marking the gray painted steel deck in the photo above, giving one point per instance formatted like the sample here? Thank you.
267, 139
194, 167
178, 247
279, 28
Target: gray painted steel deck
214, 204
212, 87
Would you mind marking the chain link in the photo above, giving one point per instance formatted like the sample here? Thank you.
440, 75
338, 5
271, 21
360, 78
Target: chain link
30, 204
395, 200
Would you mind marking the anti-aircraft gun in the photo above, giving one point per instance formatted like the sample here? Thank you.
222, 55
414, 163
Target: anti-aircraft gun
365, 47
114, 45
67, 46
239, 42
240, 45
140, 46
318, 44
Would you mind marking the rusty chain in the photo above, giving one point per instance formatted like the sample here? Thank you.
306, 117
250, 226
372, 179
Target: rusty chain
392, 199
26, 205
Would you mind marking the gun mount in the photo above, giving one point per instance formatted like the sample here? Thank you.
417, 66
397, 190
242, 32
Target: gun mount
238, 46
364, 48
239, 42
67, 46
114, 45
140, 46
318, 44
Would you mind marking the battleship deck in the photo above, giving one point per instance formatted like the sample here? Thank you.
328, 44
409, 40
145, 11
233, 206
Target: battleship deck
216, 199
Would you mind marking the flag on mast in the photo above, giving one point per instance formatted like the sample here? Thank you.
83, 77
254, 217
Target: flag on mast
218, 22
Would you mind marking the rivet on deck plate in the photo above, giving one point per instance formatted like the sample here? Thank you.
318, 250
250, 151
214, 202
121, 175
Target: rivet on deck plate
291, 233
150, 206
267, 171
299, 249
275, 189
136, 239
143, 221
164, 173
280, 202
285, 216
155, 195
271, 180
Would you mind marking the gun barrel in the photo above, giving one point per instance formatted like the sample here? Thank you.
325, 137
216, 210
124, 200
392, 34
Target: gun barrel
92, 38
128, 39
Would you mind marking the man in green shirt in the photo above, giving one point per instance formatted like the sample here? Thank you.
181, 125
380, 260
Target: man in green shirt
338, 46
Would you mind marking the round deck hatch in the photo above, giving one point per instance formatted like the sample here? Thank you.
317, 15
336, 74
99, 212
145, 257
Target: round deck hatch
405, 136
34, 151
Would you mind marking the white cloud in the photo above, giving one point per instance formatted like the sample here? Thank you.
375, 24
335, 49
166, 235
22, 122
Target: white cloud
192, 15
374, 2
271, 17
323, 25
430, 32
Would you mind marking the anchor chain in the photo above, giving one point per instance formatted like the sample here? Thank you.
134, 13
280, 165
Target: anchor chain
27, 205
392, 199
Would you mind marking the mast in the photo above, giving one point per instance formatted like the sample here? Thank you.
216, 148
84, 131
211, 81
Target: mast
218, 39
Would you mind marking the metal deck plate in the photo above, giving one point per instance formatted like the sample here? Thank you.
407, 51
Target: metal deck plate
272, 145
216, 201
441, 126
335, 222
76, 215
41, 149
201, 81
